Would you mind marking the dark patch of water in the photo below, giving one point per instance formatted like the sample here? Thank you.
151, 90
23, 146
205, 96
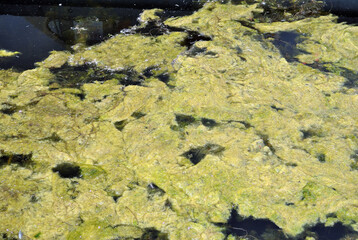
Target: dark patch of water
153, 234
8, 236
318, 65
267, 142
263, 229
336, 232
310, 133
164, 77
351, 20
119, 125
290, 164
194, 37
138, 115
210, 123
321, 157
152, 29
354, 158
168, 204
53, 138
154, 190
286, 42
276, 108
116, 197
75, 76
23, 160
354, 155
346, 9
350, 75
67, 170
34, 199
8, 109
250, 228
130, 77
195, 155
148, 72
194, 51
184, 120
157, 28
141, 4
160, 75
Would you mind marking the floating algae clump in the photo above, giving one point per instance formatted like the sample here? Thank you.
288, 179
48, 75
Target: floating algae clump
244, 126
118, 52
5, 53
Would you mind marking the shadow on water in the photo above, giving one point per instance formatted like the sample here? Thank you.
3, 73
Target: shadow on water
351, 76
336, 232
263, 229
35, 30
250, 228
286, 42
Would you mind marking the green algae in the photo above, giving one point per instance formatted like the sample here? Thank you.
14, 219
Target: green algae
274, 121
319, 44
5, 53
55, 60
150, 15
152, 52
100, 230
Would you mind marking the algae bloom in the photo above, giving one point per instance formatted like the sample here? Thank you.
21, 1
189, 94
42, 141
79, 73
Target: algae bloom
168, 136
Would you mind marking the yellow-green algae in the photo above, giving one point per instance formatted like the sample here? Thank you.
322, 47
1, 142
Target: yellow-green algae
117, 53
5, 53
150, 15
275, 119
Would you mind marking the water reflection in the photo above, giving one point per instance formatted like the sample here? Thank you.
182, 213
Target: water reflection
19, 34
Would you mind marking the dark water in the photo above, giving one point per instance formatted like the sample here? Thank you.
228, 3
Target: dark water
15, 36
36, 30
263, 229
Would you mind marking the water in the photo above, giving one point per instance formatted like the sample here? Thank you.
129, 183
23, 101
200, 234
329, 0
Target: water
14, 36
36, 30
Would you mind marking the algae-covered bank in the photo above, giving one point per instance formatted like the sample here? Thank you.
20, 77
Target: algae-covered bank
168, 132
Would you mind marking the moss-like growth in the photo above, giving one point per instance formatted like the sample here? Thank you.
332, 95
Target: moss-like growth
234, 124
150, 15
5, 53
136, 52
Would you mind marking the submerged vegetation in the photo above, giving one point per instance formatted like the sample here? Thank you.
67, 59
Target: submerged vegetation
192, 133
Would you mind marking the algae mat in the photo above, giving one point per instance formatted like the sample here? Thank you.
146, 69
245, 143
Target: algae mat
158, 139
